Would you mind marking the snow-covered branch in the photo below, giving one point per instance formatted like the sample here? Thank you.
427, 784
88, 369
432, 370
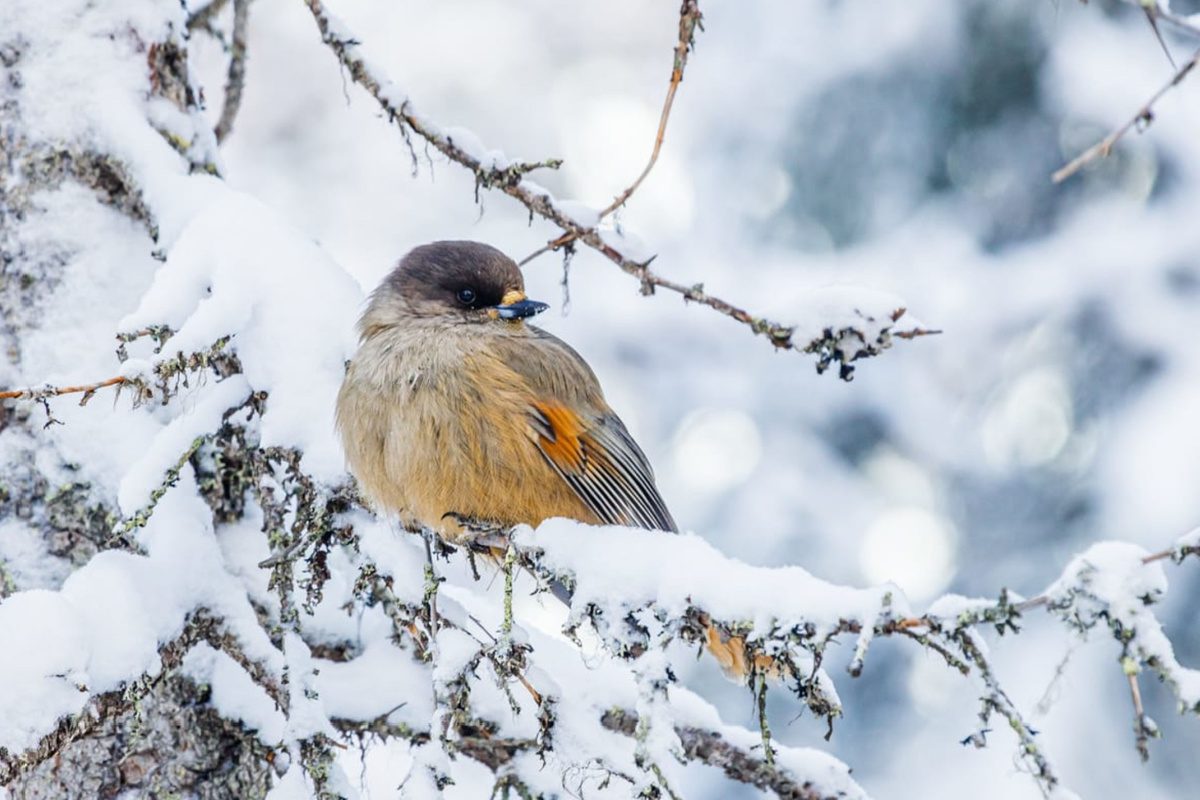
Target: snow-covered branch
103, 707
215, 543
860, 325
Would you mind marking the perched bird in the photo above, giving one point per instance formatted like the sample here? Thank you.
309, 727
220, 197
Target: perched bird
455, 413
455, 409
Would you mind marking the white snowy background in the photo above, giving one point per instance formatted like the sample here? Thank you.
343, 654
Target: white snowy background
905, 150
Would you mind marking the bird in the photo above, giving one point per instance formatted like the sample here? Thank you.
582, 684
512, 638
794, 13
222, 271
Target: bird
455, 408
458, 415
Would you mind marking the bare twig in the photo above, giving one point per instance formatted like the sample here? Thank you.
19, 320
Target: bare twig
916, 333
509, 180
165, 371
1157, 13
1144, 116
1143, 727
1147, 10
689, 20
1176, 554
237, 70
40, 393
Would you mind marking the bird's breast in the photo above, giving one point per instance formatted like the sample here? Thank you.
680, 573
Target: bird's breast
443, 427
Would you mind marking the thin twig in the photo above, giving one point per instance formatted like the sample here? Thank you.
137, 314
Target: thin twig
1144, 116
1147, 10
42, 392
236, 80
1157, 13
997, 700
689, 20
1141, 729
1041, 600
431, 593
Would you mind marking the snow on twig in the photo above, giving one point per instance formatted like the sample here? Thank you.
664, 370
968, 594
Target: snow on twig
868, 334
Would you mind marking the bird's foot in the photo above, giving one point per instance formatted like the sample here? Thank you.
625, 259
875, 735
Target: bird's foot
480, 534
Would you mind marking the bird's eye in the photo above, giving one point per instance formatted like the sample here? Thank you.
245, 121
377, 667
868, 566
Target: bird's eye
466, 296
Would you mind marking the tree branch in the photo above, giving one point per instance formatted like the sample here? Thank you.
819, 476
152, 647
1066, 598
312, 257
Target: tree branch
709, 747
508, 177
236, 80
1144, 116
40, 393
101, 708
1156, 12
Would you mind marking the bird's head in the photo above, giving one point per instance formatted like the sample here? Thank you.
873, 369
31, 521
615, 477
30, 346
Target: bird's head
453, 282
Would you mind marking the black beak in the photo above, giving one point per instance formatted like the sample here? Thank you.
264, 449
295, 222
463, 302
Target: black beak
521, 309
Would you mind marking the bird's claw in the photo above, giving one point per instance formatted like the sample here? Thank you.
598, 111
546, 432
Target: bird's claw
480, 534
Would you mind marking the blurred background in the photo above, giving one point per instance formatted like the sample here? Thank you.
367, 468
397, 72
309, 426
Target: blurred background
904, 148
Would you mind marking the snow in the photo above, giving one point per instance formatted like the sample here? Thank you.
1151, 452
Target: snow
584, 215
842, 307
292, 786
1112, 581
238, 267
175, 439
243, 261
41, 676
391, 674
955, 606
1188, 541
66, 43
825, 771
394, 554
473, 146
626, 565
455, 650
1115, 574
234, 693
104, 627
306, 713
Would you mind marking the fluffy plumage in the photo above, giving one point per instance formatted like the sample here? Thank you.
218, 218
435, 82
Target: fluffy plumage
450, 410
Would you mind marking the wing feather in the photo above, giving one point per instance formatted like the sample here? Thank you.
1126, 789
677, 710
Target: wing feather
580, 437
632, 470
602, 464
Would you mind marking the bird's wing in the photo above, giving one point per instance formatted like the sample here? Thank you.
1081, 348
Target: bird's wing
602, 464
583, 440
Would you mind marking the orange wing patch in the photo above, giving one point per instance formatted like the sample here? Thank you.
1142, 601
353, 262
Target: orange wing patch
561, 442
602, 465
